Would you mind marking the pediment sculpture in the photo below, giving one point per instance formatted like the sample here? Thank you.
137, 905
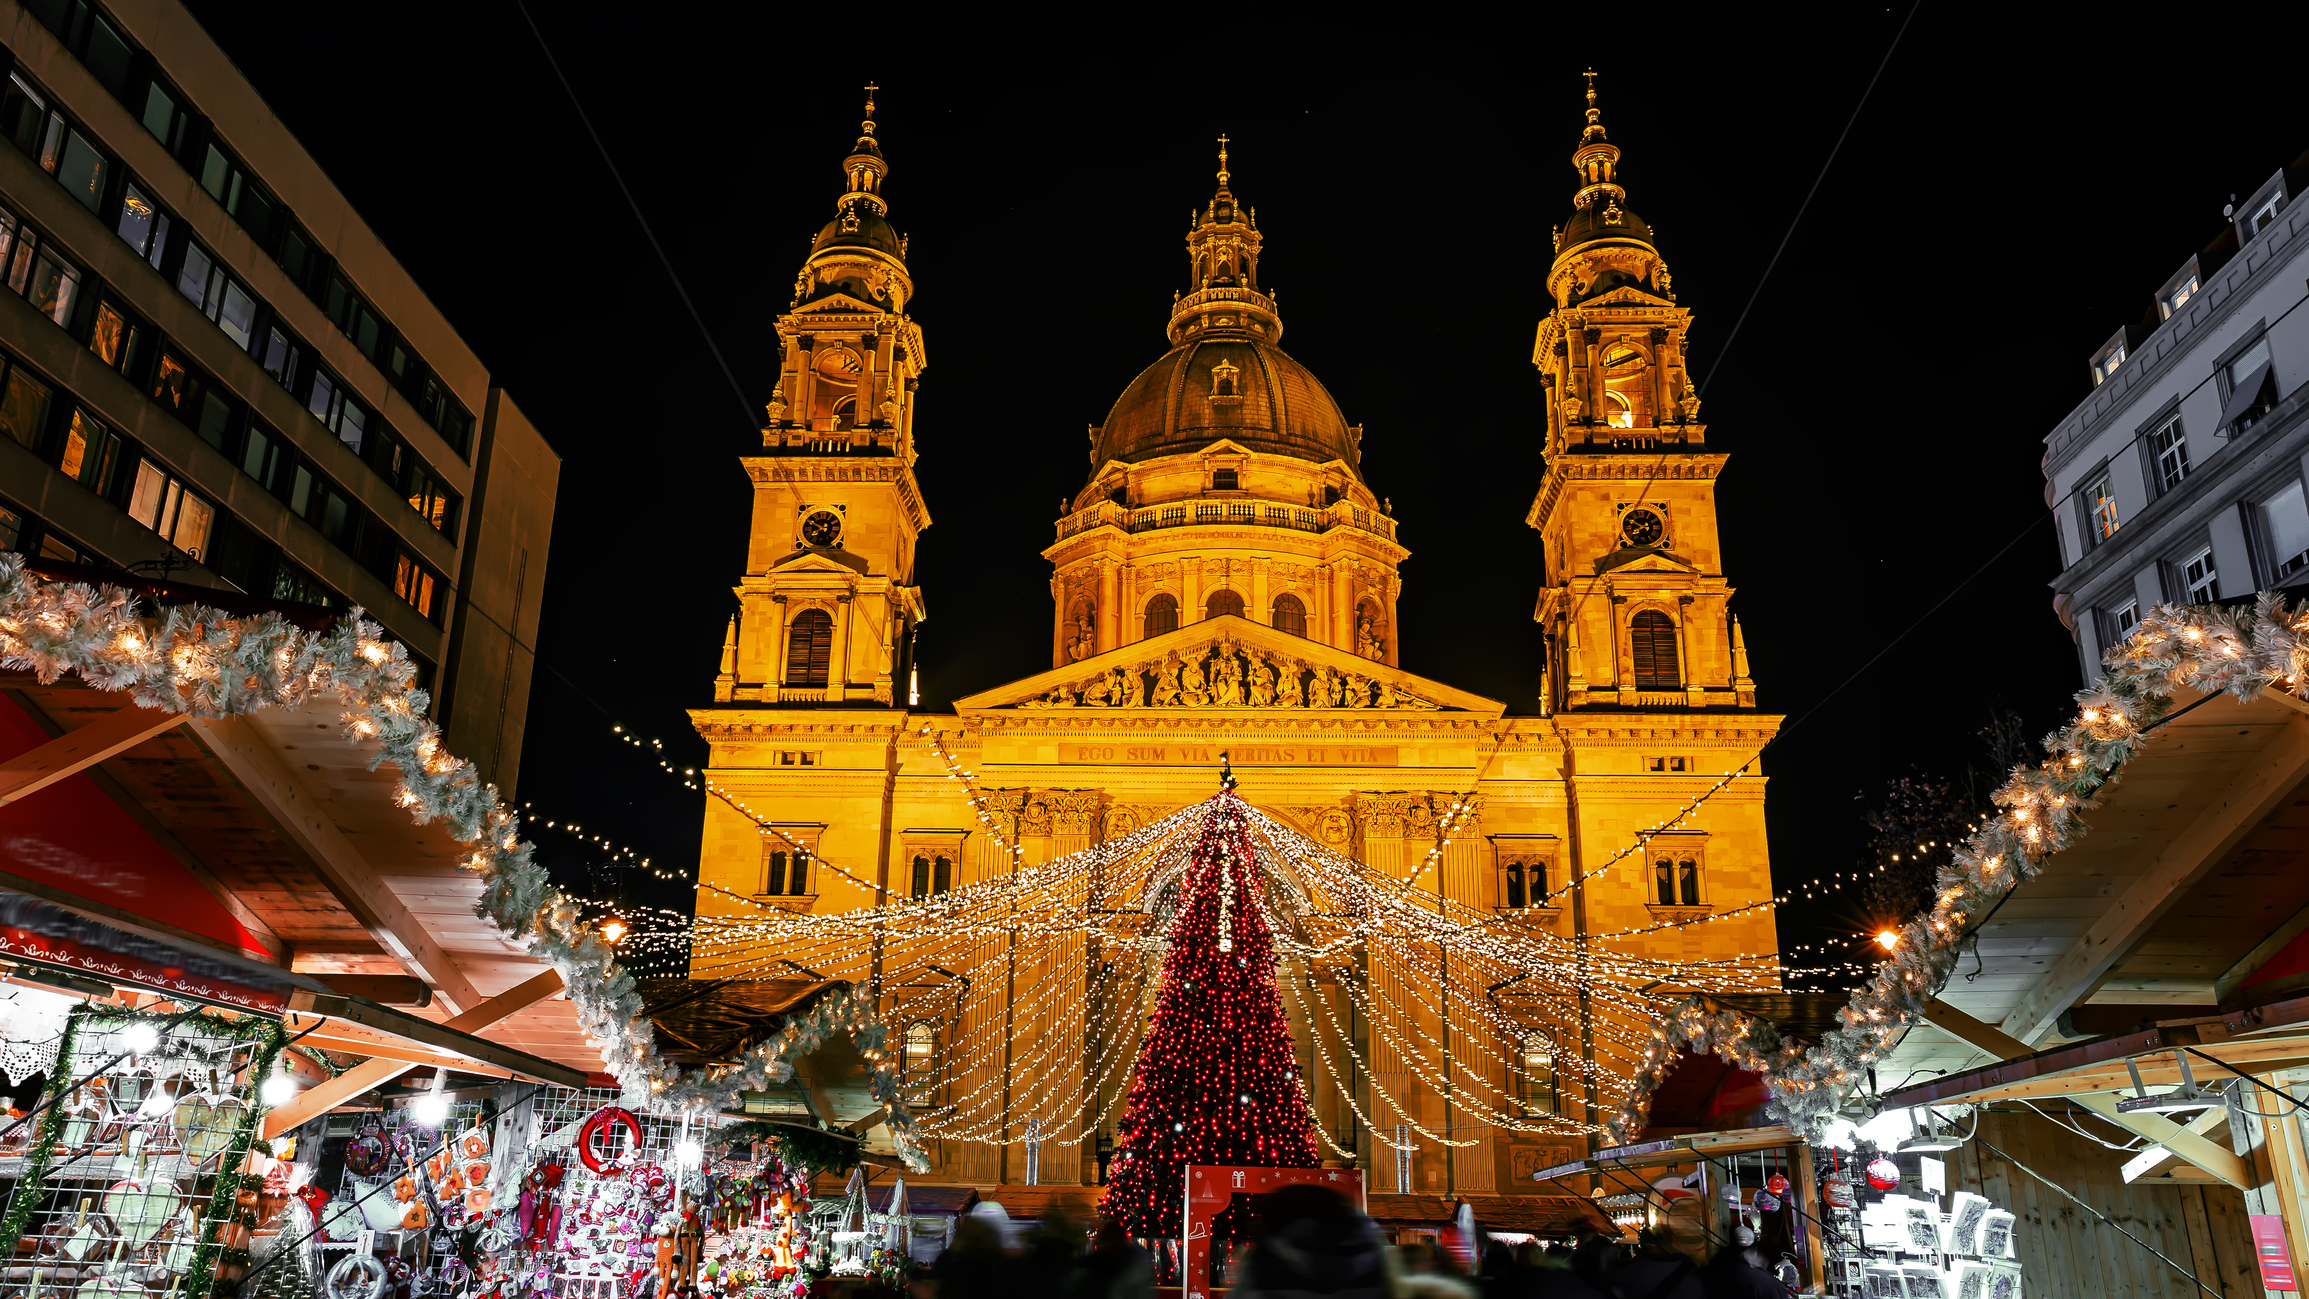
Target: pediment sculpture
1227, 673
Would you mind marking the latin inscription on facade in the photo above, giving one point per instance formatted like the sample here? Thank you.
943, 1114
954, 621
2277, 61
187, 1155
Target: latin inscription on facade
1242, 755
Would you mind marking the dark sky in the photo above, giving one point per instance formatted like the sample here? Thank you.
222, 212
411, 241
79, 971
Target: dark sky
2008, 197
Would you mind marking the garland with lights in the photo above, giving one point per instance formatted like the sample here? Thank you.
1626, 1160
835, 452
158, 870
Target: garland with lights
1216, 1082
31, 1182
2209, 649
203, 662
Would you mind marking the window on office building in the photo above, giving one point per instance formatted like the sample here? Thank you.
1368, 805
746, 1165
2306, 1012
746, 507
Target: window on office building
160, 502
2198, 580
2172, 452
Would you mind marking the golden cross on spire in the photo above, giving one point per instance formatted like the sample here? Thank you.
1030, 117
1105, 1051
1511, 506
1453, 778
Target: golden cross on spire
1591, 85
871, 88
1222, 160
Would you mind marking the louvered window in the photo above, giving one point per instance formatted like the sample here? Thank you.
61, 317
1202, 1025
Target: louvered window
1162, 616
1223, 601
1290, 615
1653, 639
809, 648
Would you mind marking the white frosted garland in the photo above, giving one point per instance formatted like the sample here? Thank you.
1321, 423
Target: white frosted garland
2205, 648
202, 662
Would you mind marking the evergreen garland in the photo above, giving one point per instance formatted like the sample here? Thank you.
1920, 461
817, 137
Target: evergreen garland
203, 662
223, 1204
31, 1184
806, 1150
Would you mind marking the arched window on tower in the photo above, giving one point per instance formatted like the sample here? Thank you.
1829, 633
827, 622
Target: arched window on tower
919, 1063
1162, 615
1535, 1074
1223, 601
845, 414
809, 648
1652, 639
1290, 615
1627, 381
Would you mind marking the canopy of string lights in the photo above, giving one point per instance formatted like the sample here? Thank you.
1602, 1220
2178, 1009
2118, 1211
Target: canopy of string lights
1022, 1000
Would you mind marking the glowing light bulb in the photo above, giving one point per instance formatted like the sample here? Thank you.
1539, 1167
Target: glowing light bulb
688, 1154
278, 1088
432, 1109
614, 931
1888, 939
141, 1036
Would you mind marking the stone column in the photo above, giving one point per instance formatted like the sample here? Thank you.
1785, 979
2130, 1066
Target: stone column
1342, 607
838, 678
1109, 606
777, 634
1259, 610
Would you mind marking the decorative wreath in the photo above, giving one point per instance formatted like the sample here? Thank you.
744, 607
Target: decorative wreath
356, 1276
596, 1128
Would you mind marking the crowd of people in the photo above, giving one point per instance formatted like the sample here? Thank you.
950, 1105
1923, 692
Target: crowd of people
1312, 1243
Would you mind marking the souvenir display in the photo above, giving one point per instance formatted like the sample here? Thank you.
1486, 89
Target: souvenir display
134, 1183
1908, 1247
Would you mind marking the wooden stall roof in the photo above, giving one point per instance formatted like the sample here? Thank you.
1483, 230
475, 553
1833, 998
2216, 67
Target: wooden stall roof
2193, 871
279, 818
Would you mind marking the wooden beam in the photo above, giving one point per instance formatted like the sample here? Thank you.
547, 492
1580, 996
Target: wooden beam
356, 882
75, 751
2234, 977
2183, 1143
2264, 786
2153, 1160
1980, 1034
379, 1070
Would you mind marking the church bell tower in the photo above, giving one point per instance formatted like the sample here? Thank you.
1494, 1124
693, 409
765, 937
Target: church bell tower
828, 603
1634, 599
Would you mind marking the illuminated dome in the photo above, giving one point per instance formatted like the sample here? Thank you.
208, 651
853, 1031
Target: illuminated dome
1223, 387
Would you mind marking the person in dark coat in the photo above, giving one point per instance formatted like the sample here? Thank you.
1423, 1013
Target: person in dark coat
1659, 1270
975, 1266
1312, 1242
1116, 1267
1738, 1271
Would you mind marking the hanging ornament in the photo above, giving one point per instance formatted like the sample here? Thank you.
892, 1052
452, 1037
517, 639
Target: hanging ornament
1838, 1193
1776, 1184
597, 1129
1883, 1174
1766, 1202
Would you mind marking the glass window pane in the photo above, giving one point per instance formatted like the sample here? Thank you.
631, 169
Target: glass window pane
173, 386
2243, 367
81, 170
253, 454
109, 337
352, 425
11, 528
301, 491
50, 141
160, 115
215, 172
7, 236
26, 242
215, 419
136, 214
280, 358
24, 408
107, 56
26, 111
144, 501
324, 397
192, 282
367, 334
237, 317
2288, 515
52, 287
193, 518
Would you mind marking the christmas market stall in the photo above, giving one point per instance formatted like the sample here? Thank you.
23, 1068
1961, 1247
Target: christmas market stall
2092, 1028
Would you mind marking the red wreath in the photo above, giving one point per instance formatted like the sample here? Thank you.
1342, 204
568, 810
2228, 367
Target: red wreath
599, 1124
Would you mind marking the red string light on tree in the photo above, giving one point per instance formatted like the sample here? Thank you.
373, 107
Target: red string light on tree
1217, 1082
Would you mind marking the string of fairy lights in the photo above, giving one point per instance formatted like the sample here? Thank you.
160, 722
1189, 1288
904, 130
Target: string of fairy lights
995, 968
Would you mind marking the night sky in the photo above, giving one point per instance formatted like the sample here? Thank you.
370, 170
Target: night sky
2006, 200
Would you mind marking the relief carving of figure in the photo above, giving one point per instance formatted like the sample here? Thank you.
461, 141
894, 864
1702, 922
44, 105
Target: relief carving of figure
1367, 639
1358, 691
1136, 683
1336, 829
1324, 689
1084, 642
1191, 682
1166, 691
1386, 693
1262, 682
1059, 697
1293, 691
1227, 679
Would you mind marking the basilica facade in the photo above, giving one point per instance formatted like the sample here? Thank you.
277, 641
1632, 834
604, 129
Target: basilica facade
1226, 580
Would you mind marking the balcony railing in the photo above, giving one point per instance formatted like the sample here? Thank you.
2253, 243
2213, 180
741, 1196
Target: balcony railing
1255, 514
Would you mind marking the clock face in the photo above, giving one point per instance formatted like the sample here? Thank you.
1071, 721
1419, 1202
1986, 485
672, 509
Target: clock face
822, 528
1642, 527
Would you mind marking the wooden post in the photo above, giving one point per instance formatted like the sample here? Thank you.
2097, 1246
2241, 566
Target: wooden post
1808, 1194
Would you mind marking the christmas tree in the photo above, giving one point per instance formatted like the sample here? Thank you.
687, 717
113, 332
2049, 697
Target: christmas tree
1217, 1082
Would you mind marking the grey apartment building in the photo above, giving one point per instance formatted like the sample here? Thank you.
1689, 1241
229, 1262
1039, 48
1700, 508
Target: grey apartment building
2180, 477
213, 373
